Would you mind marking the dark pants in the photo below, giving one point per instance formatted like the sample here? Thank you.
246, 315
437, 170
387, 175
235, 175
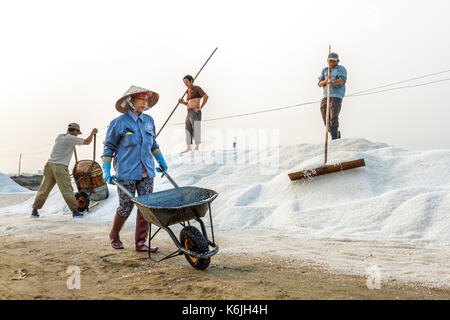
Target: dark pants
335, 109
193, 127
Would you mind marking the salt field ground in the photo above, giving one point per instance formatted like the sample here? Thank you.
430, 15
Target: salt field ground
389, 219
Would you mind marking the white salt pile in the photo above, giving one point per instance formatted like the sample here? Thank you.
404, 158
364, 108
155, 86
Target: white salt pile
399, 197
7, 185
399, 194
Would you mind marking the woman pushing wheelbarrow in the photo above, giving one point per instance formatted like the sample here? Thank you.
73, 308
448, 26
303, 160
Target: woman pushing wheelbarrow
131, 142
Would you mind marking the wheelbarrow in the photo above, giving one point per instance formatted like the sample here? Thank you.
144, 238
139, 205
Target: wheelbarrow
180, 205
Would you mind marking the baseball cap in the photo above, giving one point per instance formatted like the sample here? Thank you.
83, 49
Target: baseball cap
333, 56
74, 125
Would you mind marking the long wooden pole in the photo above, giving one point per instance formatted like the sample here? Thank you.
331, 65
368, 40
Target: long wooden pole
20, 162
328, 112
95, 146
184, 94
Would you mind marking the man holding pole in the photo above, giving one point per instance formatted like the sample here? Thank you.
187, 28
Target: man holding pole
196, 100
336, 78
56, 169
333, 80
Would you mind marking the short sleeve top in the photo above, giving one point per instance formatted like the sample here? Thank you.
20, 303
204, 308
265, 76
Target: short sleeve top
195, 92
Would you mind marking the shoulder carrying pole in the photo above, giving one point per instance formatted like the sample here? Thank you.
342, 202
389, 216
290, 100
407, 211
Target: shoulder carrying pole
90, 166
328, 112
95, 145
185, 93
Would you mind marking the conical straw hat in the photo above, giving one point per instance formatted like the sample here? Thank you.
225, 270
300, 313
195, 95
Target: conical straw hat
123, 107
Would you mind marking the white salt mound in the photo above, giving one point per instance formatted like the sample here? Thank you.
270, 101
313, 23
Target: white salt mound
7, 185
394, 213
398, 195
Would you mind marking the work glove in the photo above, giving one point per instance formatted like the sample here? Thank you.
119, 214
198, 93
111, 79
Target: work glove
107, 172
162, 163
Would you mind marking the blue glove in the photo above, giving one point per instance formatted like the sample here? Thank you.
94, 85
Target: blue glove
162, 163
107, 172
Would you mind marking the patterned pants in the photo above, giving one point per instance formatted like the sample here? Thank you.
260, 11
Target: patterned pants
144, 186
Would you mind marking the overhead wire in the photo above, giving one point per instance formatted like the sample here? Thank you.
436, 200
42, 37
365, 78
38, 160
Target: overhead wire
369, 91
355, 94
399, 88
402, 81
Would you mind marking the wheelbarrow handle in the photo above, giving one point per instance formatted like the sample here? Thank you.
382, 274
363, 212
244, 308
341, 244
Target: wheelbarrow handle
121, 187
129, 194
169, 177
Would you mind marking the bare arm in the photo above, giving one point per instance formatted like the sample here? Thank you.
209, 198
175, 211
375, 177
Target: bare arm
182, 99
335, 82
88, 140
204, 100
323, 82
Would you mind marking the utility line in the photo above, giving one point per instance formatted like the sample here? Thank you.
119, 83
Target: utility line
356, 94
43, 148
403, 81
399, 88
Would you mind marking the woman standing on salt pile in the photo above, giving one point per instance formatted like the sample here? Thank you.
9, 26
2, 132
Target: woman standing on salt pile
196, 100
131, 141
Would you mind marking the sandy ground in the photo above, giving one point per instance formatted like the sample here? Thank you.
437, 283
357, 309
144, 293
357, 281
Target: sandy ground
34, 265
14, 198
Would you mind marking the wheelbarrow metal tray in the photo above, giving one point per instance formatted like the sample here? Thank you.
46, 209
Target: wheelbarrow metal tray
174, 206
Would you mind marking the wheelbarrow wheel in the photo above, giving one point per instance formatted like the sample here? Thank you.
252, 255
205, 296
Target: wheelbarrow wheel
191, 238
82, 201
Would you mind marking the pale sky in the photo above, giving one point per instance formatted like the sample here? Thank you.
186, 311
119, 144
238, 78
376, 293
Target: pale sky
64, 62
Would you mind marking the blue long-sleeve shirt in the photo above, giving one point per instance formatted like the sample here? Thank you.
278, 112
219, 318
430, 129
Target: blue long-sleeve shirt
131, 140
337, 90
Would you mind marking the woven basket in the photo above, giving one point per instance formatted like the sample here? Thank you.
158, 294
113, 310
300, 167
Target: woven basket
88, 177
